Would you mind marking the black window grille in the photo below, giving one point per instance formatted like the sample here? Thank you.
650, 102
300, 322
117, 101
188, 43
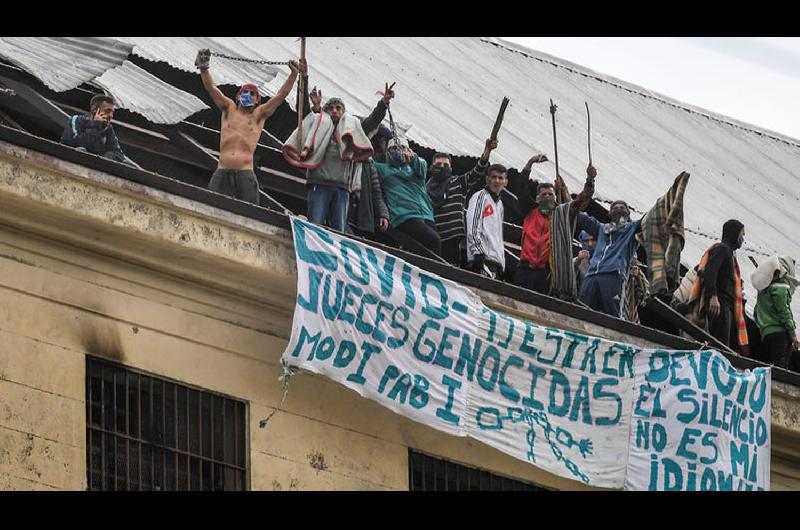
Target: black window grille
147, 433
428, 473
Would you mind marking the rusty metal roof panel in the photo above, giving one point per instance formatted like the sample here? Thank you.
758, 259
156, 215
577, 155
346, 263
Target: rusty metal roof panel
139, 91
63, 63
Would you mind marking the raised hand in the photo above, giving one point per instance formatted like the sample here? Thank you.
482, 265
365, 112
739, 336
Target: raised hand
316, 97
203, 59
388, 93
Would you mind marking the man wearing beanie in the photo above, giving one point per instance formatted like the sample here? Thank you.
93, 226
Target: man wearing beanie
602, 288
402, 178
448, 195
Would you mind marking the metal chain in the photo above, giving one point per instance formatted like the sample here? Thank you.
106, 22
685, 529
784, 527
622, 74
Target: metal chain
245, 60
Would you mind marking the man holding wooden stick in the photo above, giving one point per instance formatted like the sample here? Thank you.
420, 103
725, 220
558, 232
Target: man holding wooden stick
242, 122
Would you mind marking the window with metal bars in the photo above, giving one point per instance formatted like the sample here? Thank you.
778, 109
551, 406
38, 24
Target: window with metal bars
428, 473
148, 433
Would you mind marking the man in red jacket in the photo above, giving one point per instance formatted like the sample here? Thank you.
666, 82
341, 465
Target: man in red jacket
533, 271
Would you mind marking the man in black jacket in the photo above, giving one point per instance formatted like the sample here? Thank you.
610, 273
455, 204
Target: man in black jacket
720, 285
448, 195
94, 133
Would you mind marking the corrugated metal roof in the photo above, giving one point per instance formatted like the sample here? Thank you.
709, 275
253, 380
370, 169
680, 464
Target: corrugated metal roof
180, 52
450, 89
139, 91
63, 63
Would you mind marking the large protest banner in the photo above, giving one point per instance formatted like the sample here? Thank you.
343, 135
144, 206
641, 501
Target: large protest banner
428, 348
699, 424
604, 413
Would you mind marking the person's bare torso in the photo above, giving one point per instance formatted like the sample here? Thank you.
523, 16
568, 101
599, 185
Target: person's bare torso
239, 136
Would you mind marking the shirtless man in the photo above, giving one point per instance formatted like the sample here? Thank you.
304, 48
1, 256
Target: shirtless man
242, 122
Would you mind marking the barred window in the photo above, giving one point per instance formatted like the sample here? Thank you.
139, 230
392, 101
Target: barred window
428, 473
148, 433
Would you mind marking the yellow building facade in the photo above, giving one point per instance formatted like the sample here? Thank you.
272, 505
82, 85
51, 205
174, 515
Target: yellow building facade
94, 265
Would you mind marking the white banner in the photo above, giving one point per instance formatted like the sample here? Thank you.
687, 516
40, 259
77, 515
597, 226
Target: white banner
699, 424
429, 349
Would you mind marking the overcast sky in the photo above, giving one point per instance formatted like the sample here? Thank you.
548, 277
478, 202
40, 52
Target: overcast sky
752, 79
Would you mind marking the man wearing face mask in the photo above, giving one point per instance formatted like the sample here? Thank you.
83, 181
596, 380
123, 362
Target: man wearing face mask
538, 203
448, 194
334, 148
402, 178
94, 133
240, 130
602, 288
720, 291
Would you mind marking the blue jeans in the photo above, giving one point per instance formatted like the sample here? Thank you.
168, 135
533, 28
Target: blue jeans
327, 205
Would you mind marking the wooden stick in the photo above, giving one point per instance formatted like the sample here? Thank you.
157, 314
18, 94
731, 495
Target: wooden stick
300, 97
499, 121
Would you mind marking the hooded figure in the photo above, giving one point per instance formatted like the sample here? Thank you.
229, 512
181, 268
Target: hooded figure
719, 290
776, 282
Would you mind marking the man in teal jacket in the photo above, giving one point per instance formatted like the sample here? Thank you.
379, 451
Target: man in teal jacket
774, 314
402, 178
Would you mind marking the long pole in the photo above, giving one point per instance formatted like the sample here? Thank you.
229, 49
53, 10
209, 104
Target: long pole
301, 97
553, 108
589, 131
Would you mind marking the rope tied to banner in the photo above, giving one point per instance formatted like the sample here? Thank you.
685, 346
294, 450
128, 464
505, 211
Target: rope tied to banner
246, 60
288, 372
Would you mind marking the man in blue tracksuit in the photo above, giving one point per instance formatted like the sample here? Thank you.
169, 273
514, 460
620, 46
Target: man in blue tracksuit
94, 133
605, 279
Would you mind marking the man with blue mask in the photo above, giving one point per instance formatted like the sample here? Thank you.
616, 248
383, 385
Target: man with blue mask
242, 123
402, 178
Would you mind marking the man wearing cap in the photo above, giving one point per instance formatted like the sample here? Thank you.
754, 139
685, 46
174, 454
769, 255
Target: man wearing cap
603, 286
242, 122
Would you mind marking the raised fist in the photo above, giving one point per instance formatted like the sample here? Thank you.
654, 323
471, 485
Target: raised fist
203, 58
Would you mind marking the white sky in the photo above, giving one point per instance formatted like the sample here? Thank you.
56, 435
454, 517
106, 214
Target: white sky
752, 79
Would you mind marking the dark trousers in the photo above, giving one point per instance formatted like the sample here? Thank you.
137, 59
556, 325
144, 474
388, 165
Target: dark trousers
238, 183
779, 348
721, 327
533, 279
453, 252
489, 269
423, 232
603, 292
